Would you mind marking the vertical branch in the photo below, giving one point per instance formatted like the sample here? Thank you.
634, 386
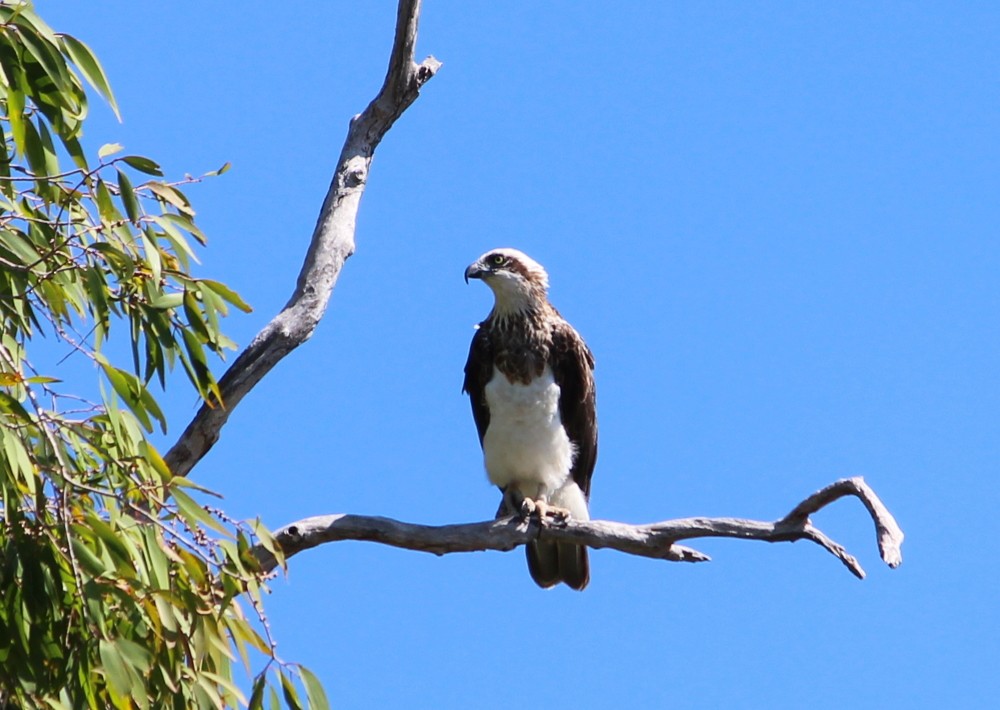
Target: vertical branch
332, 244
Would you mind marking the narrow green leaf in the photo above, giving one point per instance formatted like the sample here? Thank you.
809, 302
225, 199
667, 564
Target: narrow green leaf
288, 690
48, 58
15, 114
19, 244
224, 342
228, 294
246, 635
257, 694
184, 482
105, 205
156, 359
197, 368
211, 305
195, 568
152, 253
207, 693
127, 387
225, 168
238, 642
114, 668
75, 150
5, 188
268, 542
11, 406
51, 160
171, 195
196, 514
150, 405
226, 685
19, 463
151, 455
90, 67
135, 654
41, 380
315, 695
164, 608
158, 567
97, 290
187, 224
109, 536
109, 149
34, 150
180, 246
192, 374
194, 318
143, 164
26, 17
166, 301
128, 197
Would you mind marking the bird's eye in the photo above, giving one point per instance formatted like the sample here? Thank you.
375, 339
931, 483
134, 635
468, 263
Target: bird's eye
497, 259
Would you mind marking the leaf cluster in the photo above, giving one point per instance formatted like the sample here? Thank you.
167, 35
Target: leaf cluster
118, 586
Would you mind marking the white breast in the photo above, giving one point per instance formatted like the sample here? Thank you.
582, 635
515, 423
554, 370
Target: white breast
525, 443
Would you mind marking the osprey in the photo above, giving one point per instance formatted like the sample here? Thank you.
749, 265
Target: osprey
530, 378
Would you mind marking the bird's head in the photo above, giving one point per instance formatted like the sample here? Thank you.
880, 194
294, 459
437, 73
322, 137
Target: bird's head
518, 282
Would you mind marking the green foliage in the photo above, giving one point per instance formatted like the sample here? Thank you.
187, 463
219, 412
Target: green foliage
113, 578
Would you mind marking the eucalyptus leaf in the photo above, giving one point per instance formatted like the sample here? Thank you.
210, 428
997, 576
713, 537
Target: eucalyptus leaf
129, 199
142, 164
315, 695
109, 149
88, 64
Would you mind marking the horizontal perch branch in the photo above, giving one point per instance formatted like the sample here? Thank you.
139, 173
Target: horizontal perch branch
657, 540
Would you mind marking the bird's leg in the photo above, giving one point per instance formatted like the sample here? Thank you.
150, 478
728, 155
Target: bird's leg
512, 503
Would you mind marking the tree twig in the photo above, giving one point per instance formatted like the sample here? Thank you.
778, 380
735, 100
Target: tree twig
656, 540
332, 244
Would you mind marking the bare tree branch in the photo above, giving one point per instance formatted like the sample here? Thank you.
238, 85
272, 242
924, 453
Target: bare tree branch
332, 244
656, 540
890, 537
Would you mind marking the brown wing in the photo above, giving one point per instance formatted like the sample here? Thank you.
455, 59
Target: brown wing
573, 368
478, 371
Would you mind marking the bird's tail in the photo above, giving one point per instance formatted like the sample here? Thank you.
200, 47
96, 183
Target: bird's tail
552, 562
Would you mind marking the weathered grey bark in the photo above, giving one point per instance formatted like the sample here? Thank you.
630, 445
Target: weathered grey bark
657, 540
332, 243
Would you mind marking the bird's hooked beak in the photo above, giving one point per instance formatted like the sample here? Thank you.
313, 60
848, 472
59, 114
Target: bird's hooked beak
475, 271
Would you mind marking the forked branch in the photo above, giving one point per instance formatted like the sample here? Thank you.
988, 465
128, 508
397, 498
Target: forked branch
332, 244
656, 540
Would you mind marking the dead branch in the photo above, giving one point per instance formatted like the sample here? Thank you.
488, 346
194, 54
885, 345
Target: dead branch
656, 540
332, 244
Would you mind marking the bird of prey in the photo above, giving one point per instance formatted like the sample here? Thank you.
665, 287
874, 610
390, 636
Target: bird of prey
530, 378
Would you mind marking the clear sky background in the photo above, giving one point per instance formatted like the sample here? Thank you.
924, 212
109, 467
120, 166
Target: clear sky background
776, 225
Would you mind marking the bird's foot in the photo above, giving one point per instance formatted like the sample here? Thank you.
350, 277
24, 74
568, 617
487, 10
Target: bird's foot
544, 511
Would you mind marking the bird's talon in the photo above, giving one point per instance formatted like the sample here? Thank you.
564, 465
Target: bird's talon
550, 513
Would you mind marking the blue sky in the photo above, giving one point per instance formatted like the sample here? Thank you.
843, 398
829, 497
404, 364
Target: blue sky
774, 223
